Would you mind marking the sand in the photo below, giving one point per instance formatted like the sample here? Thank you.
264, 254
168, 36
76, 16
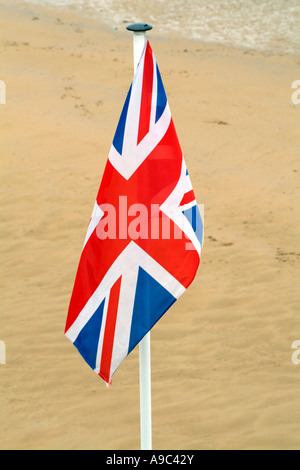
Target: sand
222, 374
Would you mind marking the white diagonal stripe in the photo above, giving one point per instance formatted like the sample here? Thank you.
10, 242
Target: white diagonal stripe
124, 317
95, 218
133, 116
127, 166
101, 336
130, 259
172, 209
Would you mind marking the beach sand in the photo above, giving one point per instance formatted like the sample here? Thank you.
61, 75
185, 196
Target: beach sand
222, 374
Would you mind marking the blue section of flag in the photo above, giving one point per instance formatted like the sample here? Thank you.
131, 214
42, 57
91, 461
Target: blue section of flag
193, 216
88, 338
161, 96
119, 135
152, 300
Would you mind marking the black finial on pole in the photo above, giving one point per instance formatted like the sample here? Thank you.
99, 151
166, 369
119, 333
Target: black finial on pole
139, 27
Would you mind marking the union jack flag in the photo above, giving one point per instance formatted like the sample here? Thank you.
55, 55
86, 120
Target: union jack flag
130, 273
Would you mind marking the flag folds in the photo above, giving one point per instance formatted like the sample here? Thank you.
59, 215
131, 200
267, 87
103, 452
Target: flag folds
143, 243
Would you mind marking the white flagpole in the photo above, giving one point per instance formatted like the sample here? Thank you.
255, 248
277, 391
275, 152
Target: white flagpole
139, 38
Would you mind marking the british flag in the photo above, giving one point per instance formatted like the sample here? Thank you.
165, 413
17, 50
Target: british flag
130, 273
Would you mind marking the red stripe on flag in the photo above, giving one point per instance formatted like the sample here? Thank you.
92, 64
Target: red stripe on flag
146, 100
188, 197
109, 334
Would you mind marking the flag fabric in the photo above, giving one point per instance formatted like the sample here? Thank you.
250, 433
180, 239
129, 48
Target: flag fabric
142, 247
